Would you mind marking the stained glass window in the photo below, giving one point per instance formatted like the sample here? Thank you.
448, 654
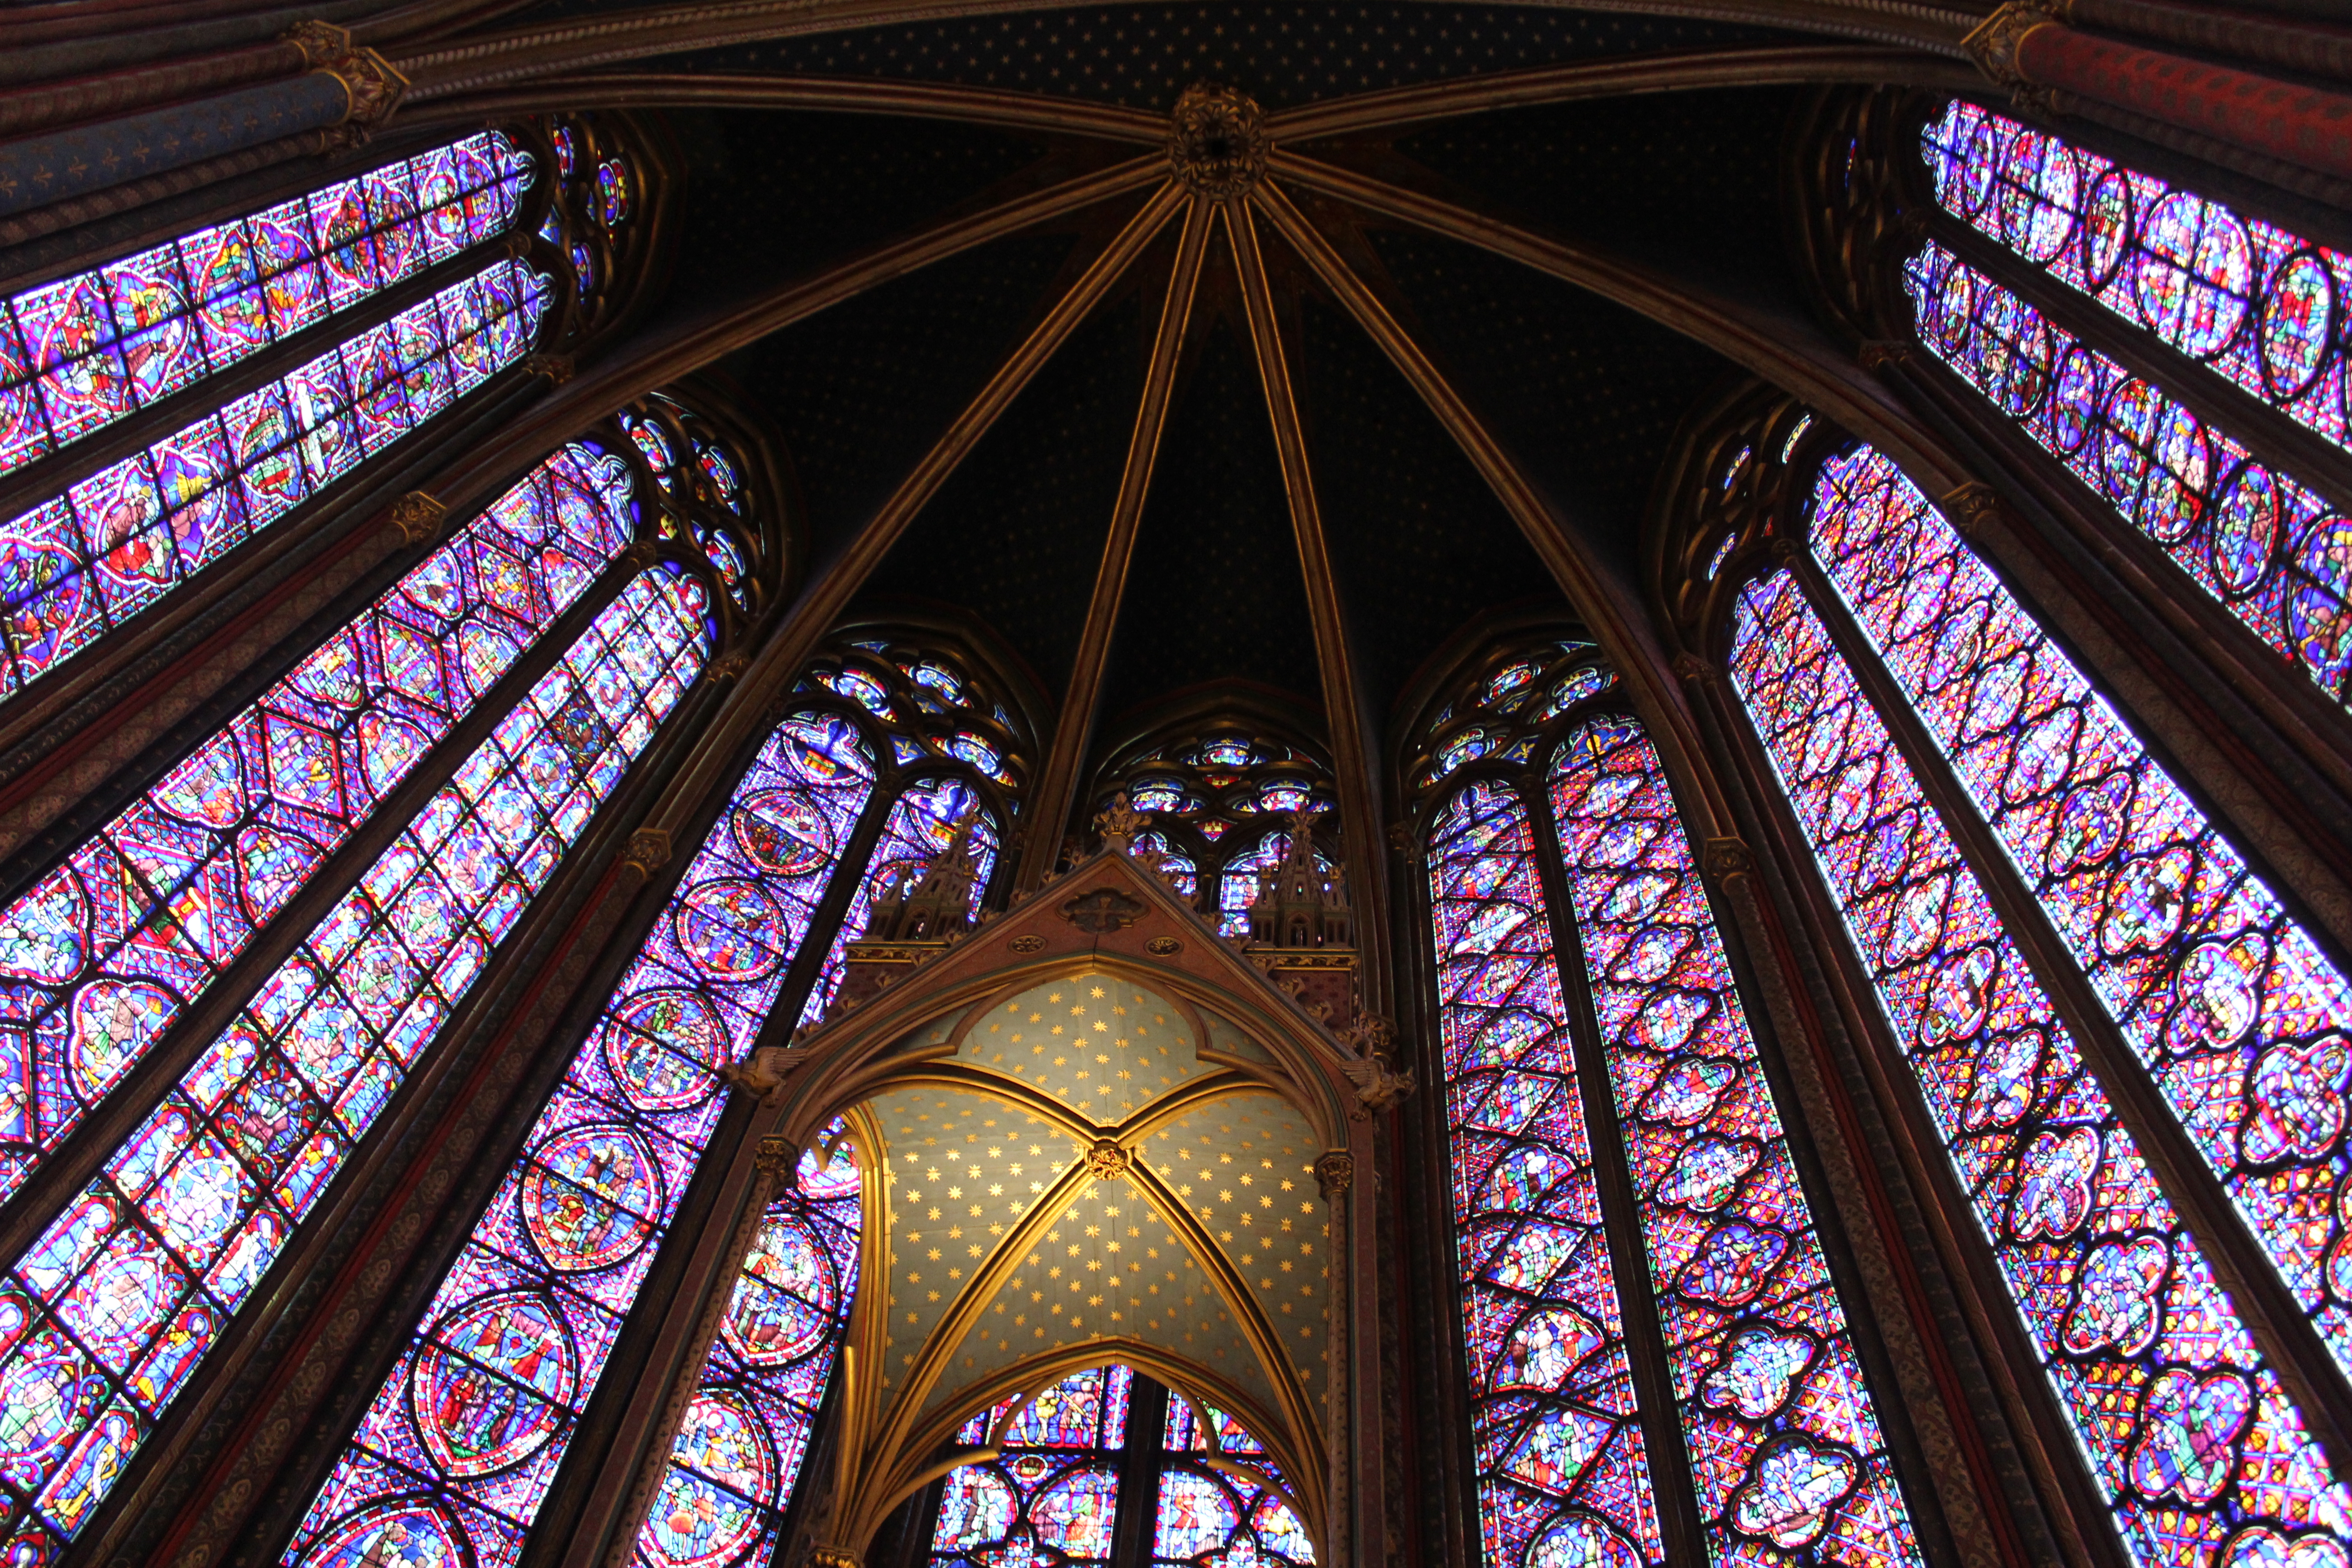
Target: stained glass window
2190, 1436
1563, 1474
1236, 1514
456, 1453
926, 817
740, 1442
1237, 884
1784, 1444
1055, 1489
104, 953
81, 353
2235, 1009
109, 546
2261, 542
1212, 795
2260, 305
108, 1312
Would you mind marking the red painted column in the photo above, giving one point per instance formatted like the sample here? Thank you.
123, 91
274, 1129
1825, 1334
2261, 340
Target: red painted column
2305, 126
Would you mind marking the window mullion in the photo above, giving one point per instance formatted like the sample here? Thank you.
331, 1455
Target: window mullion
824, 922
2269, 435
2239, 1261
27, 1211
1679, 1519
1135, 1529
35, 483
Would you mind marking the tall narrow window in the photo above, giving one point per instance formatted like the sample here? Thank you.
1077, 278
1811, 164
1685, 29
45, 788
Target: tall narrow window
739, 1448
1052, 1494
1782, 1458
2190, 1436
1562, 1467
80, 353
2260, 306
108, 951
1784, 1447
116, 1304
395, 260
463, 1440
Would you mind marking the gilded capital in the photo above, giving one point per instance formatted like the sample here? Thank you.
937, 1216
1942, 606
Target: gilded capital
1972, 507
1335, 1173
778, 1158
1995, 44
417, 516
1728, 859
557, 368
322, 43
648, 851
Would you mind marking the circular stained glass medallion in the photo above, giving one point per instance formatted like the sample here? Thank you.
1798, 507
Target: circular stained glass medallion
588, 1196
408, 1534
783, 832
488, 1387
732, 928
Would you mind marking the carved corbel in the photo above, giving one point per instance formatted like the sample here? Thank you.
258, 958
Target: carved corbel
1693, 671
1972, 507
778, 1158
1728, 859
763, 1073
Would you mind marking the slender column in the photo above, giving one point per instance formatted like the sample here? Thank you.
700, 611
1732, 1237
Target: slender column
361, 90
2023, 45
1057, 784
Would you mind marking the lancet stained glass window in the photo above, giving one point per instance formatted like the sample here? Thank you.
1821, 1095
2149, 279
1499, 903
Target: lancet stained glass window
2191, 1439
1052, 1494
461, 1443
81, 353
2237, 1013
2263, 307
1562, 1472
1784, 1443
2269, 549
104, 953
103, 1319
740, 1445
1230, 1516
109, 546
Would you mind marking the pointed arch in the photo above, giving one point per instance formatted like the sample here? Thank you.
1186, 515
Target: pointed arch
1661, 1360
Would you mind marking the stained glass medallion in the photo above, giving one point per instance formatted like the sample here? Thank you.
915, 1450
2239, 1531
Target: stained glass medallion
473, 1420
740, 1442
